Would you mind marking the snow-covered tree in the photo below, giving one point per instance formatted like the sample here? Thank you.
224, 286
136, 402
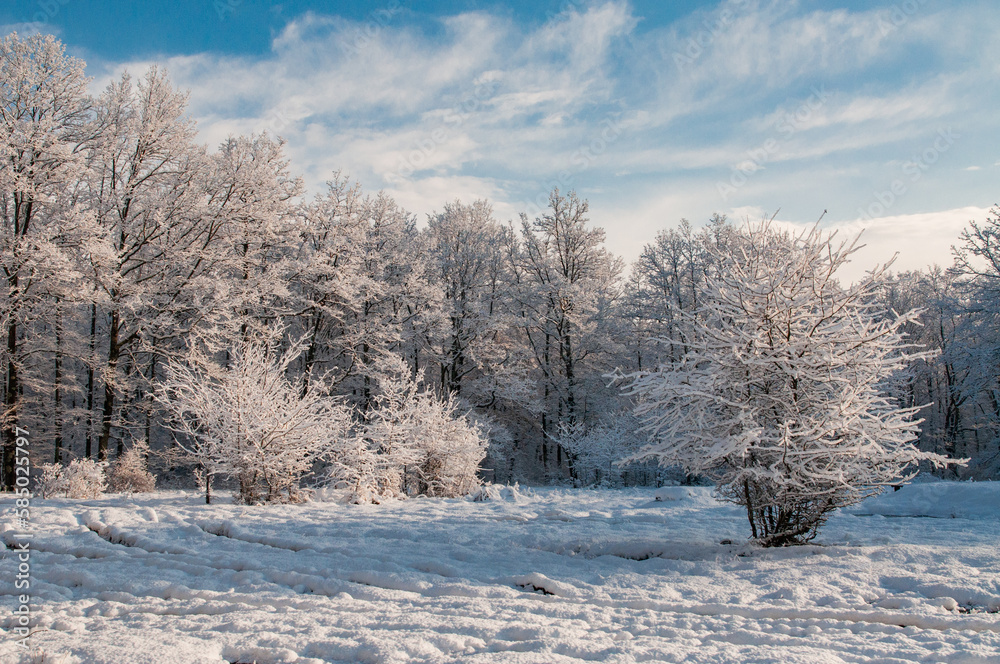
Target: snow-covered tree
249, 194
330, 279
411, 442
597, 449
466, 248
665, 281
977, 261
246, 419
152, 237
130, 472
564, 287
43, 109
363, 289
780, 396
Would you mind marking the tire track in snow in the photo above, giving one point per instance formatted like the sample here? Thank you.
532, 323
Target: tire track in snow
311, 584
296, 581
902, 620
383, 580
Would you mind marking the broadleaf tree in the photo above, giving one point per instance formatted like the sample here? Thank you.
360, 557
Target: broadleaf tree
779, 397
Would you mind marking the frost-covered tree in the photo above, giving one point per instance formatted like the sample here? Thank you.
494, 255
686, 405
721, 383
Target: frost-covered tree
249, 195
130, 472
329, 280
466, 247
940, 380
780, 395
977, 261
152, 238
665, 280
564, 287
363, 289
246, 419
43, 111
597, 449
410, 442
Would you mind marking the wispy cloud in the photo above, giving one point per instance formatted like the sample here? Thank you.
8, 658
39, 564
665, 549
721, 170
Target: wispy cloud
643, 119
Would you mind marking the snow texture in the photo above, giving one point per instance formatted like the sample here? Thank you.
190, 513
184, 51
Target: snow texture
547, 576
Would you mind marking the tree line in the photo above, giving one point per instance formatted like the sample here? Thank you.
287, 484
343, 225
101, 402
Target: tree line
130, 250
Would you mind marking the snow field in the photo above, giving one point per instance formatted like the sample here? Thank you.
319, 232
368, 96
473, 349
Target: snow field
556, 576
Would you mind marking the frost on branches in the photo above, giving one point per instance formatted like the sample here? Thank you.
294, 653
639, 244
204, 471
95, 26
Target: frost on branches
779, 396
247, 420
130, 472
594, 452
82, 479
411, 442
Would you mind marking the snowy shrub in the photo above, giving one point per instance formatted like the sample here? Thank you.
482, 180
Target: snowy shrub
81, 479
779, 397
362, 473
451, 447
489, 492
248, 421
411, 442
130, 472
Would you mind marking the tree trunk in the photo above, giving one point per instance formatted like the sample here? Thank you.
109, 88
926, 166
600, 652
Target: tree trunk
566, 348
57, 416
750, 509
10, 405
114, 353
23, 206
90, 382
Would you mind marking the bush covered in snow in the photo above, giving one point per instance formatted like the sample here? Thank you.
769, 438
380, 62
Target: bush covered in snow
489, 492
81, 479
130, 472
780, 395
246, 420
410, 443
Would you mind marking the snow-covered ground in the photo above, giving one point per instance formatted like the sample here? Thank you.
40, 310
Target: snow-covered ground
557, 576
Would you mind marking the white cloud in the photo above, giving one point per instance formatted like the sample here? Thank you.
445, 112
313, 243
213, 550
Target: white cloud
915, 240
484, 107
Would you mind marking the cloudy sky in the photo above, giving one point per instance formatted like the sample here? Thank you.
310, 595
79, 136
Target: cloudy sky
883, 114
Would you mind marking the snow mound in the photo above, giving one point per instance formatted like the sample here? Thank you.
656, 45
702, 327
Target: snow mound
539, 583
499, 493
940, 500
673, 493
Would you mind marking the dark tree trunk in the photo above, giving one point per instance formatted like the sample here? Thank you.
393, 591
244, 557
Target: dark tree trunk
10, 406
58, 414
114, 354
88, 453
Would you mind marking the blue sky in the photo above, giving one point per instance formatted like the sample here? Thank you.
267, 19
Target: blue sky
881, 113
